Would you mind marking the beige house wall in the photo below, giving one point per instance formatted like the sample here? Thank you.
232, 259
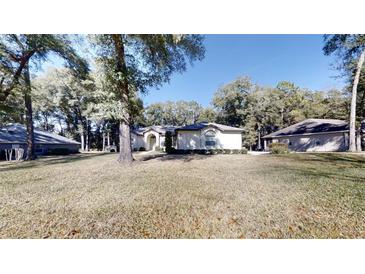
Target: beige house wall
337, 141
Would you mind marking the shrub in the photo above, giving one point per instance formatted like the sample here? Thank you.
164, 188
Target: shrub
142, 149
243, 150
168, 142
227, 151
58, 151
158, 149
279, 148
236, 151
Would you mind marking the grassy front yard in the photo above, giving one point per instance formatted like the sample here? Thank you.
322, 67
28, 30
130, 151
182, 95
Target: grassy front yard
220, 196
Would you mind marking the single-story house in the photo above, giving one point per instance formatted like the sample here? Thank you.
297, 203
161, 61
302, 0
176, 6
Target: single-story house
14, 136
190, 137
313, 135
150, 138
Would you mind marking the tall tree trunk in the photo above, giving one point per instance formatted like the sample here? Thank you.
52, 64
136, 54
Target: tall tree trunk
103, 141
108, 138
87, 136
87, 141
125, 155
29, 116
82, 137
259, 139
352, 141
125, 149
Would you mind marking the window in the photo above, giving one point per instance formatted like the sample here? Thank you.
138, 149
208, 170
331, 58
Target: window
210, 138
210, 143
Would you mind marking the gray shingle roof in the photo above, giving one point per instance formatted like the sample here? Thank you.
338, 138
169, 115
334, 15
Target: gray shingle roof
200, 126
17, 134
311, 126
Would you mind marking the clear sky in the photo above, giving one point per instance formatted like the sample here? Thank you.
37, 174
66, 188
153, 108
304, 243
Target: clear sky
267, 59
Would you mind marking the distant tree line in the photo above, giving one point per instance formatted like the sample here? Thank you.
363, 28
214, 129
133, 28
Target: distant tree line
259, 110
102, 105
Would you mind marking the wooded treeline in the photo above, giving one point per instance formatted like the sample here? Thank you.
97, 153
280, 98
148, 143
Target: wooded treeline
104, 103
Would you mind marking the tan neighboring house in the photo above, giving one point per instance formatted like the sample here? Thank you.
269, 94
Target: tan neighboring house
313, 135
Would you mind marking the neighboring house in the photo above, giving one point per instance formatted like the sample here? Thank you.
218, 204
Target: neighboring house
190, 137
313, 135
14, 136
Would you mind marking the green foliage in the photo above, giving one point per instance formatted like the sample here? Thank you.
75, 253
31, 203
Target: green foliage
347, 48
142, 149
279, 148
173, 113
230, 101
262, 110
18, 51
168, 142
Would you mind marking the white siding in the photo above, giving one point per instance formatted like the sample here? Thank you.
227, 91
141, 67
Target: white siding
196, 140
188, 140
229, 140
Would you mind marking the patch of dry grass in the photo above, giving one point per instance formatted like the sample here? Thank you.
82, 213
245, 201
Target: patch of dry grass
220, 196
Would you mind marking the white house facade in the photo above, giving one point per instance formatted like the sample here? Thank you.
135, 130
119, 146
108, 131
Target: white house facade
208, 136
191, 137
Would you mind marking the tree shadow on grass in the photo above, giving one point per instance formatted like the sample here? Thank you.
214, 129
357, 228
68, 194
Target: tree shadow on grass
335, 166
318, 173
343, 159
48, 161
184, 157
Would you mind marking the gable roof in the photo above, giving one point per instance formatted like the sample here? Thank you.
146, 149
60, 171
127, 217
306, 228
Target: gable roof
311, 126
159, 129
17, 134
203, 125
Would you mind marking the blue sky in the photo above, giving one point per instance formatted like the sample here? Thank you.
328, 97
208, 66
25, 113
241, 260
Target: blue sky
267, 59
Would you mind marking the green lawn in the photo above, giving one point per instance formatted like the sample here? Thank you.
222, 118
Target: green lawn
218, 196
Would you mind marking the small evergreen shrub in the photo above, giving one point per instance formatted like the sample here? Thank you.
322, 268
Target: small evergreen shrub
243, 150
227, 151
236, 151
58, 151
168, 142
142, 149
279, 148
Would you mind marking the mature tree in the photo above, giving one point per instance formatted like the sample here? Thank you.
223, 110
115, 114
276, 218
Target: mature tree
230, 101
173, 113
17, 55
61, 95
351, 51
262, 110
207, 115
133, 63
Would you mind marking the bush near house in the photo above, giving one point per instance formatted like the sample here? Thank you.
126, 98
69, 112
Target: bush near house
208, 151
168, 142
279, 148
58, 151
142, 149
